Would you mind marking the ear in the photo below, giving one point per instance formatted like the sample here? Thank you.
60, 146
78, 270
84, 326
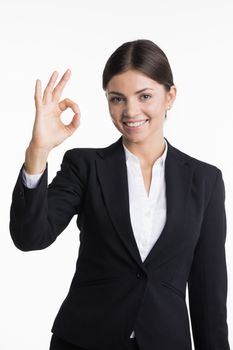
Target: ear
171, 95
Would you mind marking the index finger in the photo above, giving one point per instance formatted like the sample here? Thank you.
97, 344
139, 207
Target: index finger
64, 104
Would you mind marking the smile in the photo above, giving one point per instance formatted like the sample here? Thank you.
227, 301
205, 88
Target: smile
135, 125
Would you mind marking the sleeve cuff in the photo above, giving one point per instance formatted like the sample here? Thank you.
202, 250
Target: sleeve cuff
30, 180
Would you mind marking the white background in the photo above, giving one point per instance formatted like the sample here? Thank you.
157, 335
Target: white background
38, 37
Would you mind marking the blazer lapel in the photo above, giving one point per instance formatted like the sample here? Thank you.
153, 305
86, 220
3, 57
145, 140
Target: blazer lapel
112, 174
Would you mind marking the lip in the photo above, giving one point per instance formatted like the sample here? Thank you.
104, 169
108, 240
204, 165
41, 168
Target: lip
134, 121
135, 128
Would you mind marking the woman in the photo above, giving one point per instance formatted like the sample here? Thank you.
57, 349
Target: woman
151, 217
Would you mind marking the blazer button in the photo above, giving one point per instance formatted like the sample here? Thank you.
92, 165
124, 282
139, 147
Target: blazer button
139, 275
21, 194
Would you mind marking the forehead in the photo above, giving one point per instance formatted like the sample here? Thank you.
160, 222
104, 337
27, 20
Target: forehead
131, 80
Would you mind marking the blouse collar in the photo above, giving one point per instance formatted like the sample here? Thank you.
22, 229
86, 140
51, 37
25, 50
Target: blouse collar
132, 157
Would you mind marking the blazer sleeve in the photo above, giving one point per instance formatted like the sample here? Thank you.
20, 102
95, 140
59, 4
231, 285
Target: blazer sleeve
207, 283
39, 215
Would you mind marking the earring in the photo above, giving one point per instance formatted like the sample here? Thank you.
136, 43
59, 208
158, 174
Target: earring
168, 107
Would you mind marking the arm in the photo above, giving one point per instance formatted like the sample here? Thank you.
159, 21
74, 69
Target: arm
39, 215
207, 282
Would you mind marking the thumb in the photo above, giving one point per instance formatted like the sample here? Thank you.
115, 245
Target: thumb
73, 125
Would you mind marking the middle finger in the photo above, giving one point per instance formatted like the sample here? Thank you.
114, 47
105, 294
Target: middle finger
60, 86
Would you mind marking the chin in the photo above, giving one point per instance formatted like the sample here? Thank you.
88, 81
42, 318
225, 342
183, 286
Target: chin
134, 138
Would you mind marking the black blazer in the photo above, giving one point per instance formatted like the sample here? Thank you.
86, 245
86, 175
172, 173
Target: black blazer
113, 292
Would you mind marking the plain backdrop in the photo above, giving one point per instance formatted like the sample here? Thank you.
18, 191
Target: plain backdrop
38, 37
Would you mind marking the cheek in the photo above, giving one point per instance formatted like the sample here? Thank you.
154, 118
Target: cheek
113, 117
111, 109
155, 109
114, 113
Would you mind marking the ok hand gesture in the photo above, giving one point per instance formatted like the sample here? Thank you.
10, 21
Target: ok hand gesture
48, 130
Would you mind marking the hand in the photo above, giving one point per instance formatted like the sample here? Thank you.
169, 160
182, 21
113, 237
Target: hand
48, 130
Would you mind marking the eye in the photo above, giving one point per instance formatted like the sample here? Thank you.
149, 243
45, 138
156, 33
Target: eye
116, 99
147, 96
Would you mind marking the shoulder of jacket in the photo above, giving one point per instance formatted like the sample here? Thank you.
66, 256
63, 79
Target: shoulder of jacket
204, 173
86, 155
81, 151
197, 164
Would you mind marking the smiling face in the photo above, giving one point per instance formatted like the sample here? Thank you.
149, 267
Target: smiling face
134, 97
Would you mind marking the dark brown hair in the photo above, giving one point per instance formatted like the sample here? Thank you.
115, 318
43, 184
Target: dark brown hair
142, 55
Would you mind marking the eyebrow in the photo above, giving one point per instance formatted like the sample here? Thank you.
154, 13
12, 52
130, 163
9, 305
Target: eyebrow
137, 92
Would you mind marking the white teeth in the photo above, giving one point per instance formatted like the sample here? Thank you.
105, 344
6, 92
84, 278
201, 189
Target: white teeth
137, 123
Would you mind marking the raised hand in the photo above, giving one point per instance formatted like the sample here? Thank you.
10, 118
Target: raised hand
49, 130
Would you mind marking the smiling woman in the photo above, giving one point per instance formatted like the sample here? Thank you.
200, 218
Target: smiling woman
137, 115
151, 218
139, 88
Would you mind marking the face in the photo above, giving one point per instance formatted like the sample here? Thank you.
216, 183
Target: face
135, 98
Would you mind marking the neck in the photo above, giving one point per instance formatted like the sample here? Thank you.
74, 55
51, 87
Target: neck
148, 151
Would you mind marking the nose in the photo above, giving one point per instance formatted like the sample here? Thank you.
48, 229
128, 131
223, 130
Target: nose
131, 109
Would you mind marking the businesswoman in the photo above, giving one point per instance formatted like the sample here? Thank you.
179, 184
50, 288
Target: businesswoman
151, 217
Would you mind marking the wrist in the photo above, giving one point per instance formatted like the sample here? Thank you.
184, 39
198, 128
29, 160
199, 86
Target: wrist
33, 148
35, 159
